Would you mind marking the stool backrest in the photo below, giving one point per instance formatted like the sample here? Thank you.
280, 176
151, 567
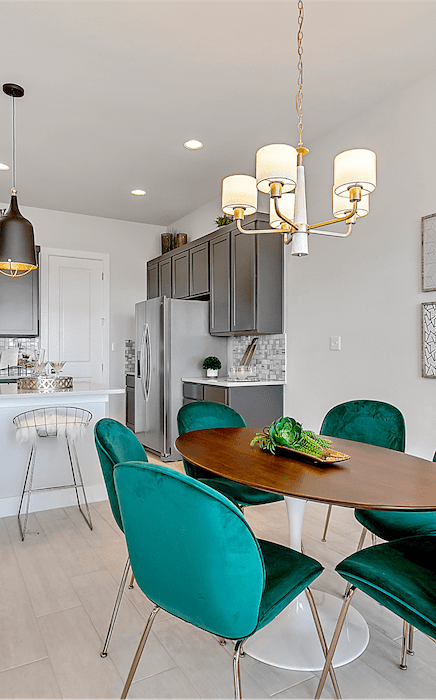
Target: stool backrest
115, 443
192, 552
201, 415
372, 422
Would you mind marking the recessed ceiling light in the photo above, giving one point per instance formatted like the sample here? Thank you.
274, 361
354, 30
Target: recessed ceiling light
193, 145
3, 166
138, 193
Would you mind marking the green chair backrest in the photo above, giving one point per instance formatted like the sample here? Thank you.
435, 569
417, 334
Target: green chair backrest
201, 415
372, 422
192, 552
115, 443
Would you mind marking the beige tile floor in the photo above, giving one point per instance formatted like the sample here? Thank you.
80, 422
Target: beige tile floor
57, 591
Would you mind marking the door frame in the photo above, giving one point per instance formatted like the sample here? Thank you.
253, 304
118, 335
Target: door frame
44, 284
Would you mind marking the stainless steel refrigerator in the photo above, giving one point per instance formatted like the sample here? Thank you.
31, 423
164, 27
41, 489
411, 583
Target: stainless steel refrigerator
172, 340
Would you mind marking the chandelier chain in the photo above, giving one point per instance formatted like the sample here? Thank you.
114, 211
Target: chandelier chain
299, 97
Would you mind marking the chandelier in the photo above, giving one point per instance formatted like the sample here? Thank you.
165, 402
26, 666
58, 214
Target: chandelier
17, 245
280, 173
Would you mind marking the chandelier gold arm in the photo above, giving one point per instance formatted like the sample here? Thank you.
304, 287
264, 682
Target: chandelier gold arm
336, 234
282, 216
346, 218
254, 230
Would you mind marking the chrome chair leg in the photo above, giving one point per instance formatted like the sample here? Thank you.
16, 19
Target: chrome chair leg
139, 651
132, 581
322, 640
410, 641
103, 653
222, 641
403, 662
359, 547
72, 453
236, 671
334, 642
327, 520
28, 480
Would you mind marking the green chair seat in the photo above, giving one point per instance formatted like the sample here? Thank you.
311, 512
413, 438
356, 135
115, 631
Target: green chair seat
394, 525
203, 415
401, 576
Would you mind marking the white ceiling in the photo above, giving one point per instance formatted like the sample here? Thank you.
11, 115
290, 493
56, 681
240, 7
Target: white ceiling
113, 89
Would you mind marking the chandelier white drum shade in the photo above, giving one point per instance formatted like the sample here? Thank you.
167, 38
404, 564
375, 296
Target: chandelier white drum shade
239, 191
280, 174
355, 168
276, 163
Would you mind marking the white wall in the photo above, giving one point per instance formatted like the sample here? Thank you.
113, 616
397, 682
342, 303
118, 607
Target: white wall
129, 245
367, 288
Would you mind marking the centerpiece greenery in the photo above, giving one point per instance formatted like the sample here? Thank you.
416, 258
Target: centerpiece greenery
287, 432
212, 363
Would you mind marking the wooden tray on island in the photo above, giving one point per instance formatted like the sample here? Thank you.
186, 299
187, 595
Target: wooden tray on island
328, 457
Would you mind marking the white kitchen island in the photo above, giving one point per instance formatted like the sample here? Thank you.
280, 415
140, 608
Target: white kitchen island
52, 466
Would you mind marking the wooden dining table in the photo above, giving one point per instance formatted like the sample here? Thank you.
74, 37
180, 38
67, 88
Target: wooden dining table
372, 478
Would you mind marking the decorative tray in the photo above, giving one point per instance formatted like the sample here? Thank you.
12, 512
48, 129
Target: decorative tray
329, 456
45, 384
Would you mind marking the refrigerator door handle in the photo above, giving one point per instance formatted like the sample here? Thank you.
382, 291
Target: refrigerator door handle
141, 361
147, 379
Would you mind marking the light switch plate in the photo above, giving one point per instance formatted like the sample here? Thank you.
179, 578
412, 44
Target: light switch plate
335, 342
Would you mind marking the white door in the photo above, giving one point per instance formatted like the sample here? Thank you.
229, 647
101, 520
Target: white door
73, 313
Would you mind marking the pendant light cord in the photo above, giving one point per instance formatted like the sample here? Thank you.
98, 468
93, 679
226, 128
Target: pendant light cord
299, 97
13, 145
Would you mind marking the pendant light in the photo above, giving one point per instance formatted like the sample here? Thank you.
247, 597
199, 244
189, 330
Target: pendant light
280, 173
17, 245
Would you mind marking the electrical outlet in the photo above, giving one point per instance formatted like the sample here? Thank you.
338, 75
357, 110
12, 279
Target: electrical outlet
335, 342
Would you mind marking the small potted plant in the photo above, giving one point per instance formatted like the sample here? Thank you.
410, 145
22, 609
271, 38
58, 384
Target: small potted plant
223, 220
212, 365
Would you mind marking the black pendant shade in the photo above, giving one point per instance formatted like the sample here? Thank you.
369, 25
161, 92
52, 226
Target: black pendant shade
17, 245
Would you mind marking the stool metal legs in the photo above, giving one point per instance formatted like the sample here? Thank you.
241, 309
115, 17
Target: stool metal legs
77, 484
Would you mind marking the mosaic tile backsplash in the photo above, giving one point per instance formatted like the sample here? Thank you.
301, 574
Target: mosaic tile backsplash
269, 358
26, 345
129, 356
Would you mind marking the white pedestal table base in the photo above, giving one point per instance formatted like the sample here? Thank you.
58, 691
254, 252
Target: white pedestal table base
291, 640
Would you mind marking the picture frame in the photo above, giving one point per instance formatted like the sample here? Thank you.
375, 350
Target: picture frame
429, 339
428, 234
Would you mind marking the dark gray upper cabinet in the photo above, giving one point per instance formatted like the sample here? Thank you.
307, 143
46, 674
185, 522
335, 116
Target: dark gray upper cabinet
152, 280
165, 278
19, 305
180, 273
220, 316
199, 269
241, 274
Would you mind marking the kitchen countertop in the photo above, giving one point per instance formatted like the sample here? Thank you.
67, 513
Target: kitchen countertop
9, 392
225, 381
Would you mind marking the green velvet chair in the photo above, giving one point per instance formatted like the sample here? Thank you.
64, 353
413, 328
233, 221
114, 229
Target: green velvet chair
400, 575
200, 415
115, 443
194, 555
371, 422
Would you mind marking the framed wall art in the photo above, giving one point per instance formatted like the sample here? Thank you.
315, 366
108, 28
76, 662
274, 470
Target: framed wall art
429, 339
428, 228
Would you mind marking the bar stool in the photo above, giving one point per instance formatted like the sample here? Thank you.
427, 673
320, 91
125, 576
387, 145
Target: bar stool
52, 422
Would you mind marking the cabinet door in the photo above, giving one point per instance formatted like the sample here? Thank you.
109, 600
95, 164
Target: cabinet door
165, 287
220, 284
180, 273
19, 305
243, 282
152, 281
199, 269
217, 394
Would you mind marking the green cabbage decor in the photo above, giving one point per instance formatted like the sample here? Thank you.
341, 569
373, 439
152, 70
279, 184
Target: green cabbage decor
289, 433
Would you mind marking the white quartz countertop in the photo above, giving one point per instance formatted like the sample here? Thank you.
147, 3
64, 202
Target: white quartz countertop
223, 381
80, 388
